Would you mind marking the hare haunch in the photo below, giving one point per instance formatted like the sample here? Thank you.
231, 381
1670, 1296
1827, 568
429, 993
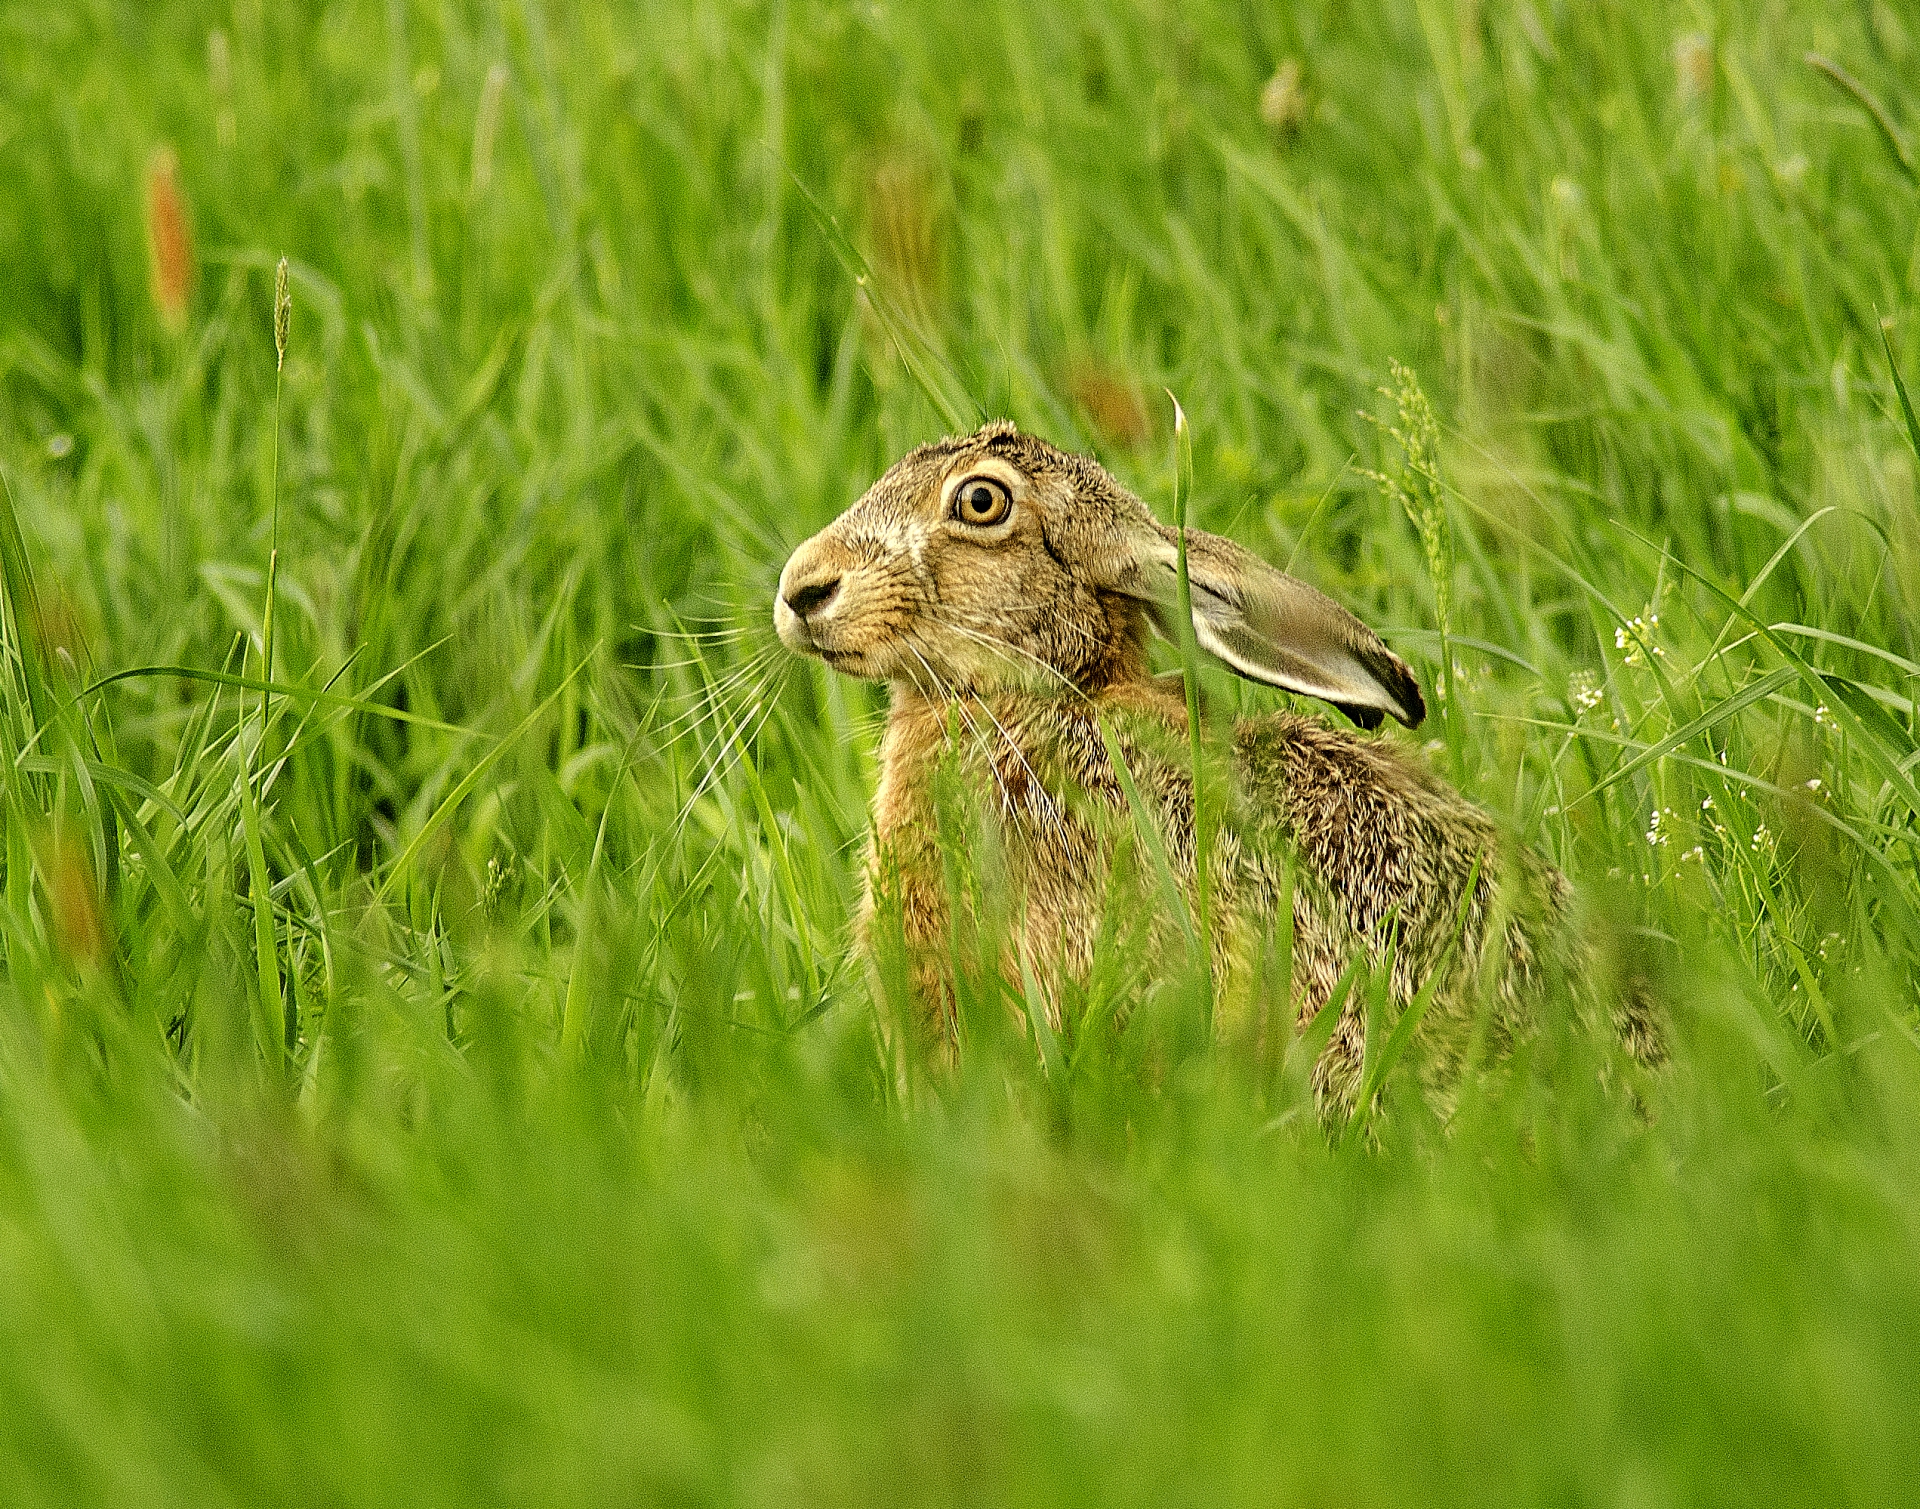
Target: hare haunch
1005, 590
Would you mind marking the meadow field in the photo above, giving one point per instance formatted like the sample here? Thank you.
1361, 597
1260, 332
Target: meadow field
434, 1063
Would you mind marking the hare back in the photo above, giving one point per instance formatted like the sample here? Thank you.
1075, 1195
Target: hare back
1390, 860
1378, 840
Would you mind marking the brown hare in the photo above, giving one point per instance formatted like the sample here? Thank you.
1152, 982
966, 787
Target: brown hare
1005, 590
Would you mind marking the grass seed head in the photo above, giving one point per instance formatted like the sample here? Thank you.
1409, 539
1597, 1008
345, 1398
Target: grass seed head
282, 314
486, 126
1693, 65
1283, 102
169, 241
1416, 486
220, 86
1112, 400
73, 896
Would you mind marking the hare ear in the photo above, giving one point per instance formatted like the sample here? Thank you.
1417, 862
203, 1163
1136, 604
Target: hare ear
1274, 628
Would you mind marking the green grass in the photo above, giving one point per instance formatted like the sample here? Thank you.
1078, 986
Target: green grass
447, 1079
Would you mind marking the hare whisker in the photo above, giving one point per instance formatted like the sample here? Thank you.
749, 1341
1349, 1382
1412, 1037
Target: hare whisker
1059, 622
1006, 649
712, 618
728, 636
738, 736
732, 624
947, 694
960, 698
1046, 796
717, 695
719, 710
1000, 647
673, 665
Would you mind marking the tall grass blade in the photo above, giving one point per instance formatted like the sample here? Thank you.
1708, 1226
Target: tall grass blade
929, 370
1190, 680
1900, 387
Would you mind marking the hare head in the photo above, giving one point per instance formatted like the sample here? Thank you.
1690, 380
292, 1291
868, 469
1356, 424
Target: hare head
994, 560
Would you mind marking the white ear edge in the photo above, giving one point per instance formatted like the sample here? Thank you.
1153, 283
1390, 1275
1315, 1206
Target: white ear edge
1352, 684
1295, 637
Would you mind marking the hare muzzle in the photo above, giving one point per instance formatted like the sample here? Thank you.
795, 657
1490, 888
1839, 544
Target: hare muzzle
809, 597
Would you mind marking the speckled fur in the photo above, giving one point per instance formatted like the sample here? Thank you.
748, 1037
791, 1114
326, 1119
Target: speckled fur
1005, 659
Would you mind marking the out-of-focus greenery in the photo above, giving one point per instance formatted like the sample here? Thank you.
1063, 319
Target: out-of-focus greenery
451, 1081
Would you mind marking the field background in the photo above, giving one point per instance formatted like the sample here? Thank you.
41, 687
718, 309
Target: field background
449, 1083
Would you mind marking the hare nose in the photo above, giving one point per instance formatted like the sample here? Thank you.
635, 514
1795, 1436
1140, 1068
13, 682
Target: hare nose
805, 598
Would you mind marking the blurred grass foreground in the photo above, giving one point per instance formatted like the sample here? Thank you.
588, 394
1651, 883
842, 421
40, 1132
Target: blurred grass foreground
433, 1066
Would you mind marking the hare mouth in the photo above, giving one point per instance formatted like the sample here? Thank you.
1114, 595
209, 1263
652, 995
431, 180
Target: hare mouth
802, 640
805, 640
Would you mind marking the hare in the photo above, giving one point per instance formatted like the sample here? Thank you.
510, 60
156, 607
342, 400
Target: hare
1006, 590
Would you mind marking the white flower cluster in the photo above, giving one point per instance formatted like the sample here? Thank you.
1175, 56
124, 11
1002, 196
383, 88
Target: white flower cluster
1706, 810
1635, 636
1583, 691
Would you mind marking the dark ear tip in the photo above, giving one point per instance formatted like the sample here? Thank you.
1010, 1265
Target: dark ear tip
1397, 676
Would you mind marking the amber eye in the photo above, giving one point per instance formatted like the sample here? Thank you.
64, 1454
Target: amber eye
981, 501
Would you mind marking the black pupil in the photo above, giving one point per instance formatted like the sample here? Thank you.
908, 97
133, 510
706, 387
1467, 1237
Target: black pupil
980, 500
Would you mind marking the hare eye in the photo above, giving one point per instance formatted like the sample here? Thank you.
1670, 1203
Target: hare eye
981, 501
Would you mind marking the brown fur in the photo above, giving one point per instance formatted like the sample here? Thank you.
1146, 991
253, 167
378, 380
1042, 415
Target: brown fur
1008, 648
